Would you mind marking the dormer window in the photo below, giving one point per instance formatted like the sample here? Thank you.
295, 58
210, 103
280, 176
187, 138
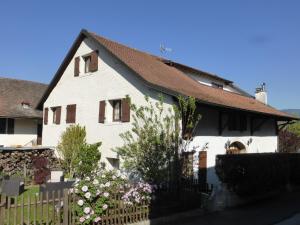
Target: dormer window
25, 105
216, 85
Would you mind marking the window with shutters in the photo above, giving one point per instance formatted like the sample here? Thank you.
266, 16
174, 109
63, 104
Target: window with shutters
71, 114
116, 104
7, 126
90, 62
56, 114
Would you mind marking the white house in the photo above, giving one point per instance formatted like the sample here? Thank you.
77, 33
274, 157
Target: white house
97, 74
20, 121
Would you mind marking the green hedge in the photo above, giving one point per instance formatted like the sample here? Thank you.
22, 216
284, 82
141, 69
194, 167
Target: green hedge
251, 174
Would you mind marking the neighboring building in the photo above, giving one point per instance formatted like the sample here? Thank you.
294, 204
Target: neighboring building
97, 74
20, 121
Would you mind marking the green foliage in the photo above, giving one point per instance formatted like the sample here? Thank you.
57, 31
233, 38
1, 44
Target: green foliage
150, 148
186, 111
294, 128
88, 159
258, 173
76, 155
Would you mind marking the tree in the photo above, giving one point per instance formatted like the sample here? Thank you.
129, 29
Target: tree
151, 147
288, 141
294, 128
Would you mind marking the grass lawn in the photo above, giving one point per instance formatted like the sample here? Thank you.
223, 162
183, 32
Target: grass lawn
35, 211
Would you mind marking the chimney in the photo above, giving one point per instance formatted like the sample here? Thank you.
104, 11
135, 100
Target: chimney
261, 94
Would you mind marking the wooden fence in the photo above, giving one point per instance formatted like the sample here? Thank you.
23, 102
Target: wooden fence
59, 208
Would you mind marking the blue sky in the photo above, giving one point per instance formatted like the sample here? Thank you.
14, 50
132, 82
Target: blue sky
249, 42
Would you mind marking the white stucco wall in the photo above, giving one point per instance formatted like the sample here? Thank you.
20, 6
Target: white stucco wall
263, 140
113, 80
25, 131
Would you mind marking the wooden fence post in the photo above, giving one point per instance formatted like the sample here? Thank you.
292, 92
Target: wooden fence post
66, 207
2, 208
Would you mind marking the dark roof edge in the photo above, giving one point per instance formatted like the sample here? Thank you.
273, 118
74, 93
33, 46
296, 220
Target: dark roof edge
83, 33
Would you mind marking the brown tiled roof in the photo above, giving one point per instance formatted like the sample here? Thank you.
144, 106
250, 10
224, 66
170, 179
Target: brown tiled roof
15, 92
156, 72
159, 74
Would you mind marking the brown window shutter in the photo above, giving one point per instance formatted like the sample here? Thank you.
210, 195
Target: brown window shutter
71, 114
202, 159
76, 66
94, 61
46, 116
125, 110
58, 115
101, 111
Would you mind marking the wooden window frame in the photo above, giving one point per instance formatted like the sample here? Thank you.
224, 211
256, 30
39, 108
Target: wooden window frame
54, 114
87, 67
114, 109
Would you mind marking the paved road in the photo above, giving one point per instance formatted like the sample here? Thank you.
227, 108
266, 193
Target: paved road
293, 220
282, 210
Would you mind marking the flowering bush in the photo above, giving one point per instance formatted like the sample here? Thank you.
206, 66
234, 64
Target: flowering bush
139, 194
95, 195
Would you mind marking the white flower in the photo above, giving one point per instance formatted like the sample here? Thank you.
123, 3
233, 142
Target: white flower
107, 184
80, 202
84, 188
87, 217
87, 195
87, 178
104, 207
98, 192
103, 175
97, 219
102, 185
76, 190
114, 177
106, 194
95, 182
123, 176
87, 210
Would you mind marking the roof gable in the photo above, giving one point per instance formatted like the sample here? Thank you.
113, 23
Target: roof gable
157, 73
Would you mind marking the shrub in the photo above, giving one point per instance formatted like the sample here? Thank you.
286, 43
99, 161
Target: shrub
72, 141
76, 155
97, 194
288, 141
88, 160
41, 170
251, 174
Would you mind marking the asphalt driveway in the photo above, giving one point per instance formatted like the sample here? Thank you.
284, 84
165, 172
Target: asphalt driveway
279, 210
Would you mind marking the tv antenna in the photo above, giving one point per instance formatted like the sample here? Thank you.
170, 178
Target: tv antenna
163, 49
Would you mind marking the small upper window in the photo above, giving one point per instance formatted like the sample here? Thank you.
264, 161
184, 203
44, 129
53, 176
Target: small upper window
116, 110
216, 85
87, 63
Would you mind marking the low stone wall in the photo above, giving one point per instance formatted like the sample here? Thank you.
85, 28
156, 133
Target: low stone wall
19, 161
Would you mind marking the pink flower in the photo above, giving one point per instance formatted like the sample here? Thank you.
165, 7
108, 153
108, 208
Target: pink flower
106, 194
82, 219
104, 207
